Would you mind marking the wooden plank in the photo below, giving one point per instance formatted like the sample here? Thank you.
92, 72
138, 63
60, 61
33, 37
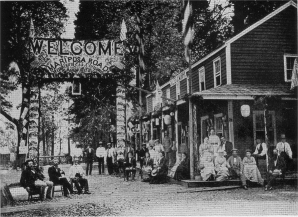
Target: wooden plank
210, 189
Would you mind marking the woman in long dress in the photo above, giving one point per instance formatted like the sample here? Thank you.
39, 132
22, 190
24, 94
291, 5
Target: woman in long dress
147, 167
250, 169
172, 171
160, 171
205, 150
182, 171
207, 168
222, 171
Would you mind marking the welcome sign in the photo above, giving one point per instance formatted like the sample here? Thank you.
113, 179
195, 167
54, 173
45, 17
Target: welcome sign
66, 58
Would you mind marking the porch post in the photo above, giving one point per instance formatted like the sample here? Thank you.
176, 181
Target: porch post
151, 128
195, 135
231, 122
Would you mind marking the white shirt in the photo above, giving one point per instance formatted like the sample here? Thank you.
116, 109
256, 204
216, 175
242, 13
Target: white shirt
264, 151
74, 169
284, 146
77, 152
111, 152
158, 148
222, 148
100, 152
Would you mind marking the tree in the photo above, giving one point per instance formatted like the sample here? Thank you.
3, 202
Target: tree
249, 12
48, 20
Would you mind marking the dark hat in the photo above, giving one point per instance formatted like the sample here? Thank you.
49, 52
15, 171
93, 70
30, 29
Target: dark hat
234, 149
282, 136
27, 161
247, 150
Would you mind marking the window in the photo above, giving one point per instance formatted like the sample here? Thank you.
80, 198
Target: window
288, 66
168, 93
218, 125
178, 89
217, 72
202, 78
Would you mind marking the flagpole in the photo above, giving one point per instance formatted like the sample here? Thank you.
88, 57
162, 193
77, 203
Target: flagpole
190, 140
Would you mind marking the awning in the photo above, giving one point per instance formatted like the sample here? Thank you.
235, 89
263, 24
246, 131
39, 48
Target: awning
247, 91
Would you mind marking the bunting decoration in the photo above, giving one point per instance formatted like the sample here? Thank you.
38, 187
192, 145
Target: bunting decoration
294, 79
187, 29
31, 30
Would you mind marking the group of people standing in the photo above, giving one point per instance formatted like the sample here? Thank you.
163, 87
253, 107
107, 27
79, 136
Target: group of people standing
219, 161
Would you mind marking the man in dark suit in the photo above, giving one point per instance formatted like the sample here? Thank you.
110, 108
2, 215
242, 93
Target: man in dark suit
129, 149
31, 179
89, 152
226, 146
57, 176
276, 167
130, 166
142, 154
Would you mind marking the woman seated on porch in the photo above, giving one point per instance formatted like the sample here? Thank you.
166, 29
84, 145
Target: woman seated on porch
147, 167
250, 169
205, 149
207, 168
173, 170
160, 171
222, 171
182, 171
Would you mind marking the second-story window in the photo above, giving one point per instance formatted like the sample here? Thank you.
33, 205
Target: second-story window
288, 65
202, 78
217, 72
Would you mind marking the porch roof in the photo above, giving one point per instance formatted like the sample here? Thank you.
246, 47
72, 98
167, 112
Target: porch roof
247, 91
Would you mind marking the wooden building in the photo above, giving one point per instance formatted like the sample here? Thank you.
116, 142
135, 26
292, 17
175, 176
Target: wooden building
249, 72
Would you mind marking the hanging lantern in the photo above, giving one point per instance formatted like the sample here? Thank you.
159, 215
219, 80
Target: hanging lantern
156, 121
245, 110
167, 119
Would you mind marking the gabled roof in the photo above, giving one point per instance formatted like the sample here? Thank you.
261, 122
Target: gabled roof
248, 29
246, 91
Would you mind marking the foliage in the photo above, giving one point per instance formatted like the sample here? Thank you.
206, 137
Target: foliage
249, 12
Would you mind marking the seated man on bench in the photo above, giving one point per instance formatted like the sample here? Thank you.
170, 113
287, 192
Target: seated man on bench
57, 176
76, 175
32, 180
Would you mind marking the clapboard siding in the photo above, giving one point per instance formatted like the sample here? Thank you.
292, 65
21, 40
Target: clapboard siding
173, 92
209, 76
257, 57
183, 87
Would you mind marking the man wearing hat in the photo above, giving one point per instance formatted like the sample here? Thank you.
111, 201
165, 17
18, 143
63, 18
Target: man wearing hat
260, 151
284, 150
30, 179
235, 167
110, 158
89, 159
100, 154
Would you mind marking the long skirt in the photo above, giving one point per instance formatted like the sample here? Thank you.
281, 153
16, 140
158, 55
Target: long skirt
252, 173
222, 174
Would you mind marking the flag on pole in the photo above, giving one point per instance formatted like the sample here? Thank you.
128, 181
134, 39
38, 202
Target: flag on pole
294, 79
187, 29
123, 31
31, 30
140, 40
